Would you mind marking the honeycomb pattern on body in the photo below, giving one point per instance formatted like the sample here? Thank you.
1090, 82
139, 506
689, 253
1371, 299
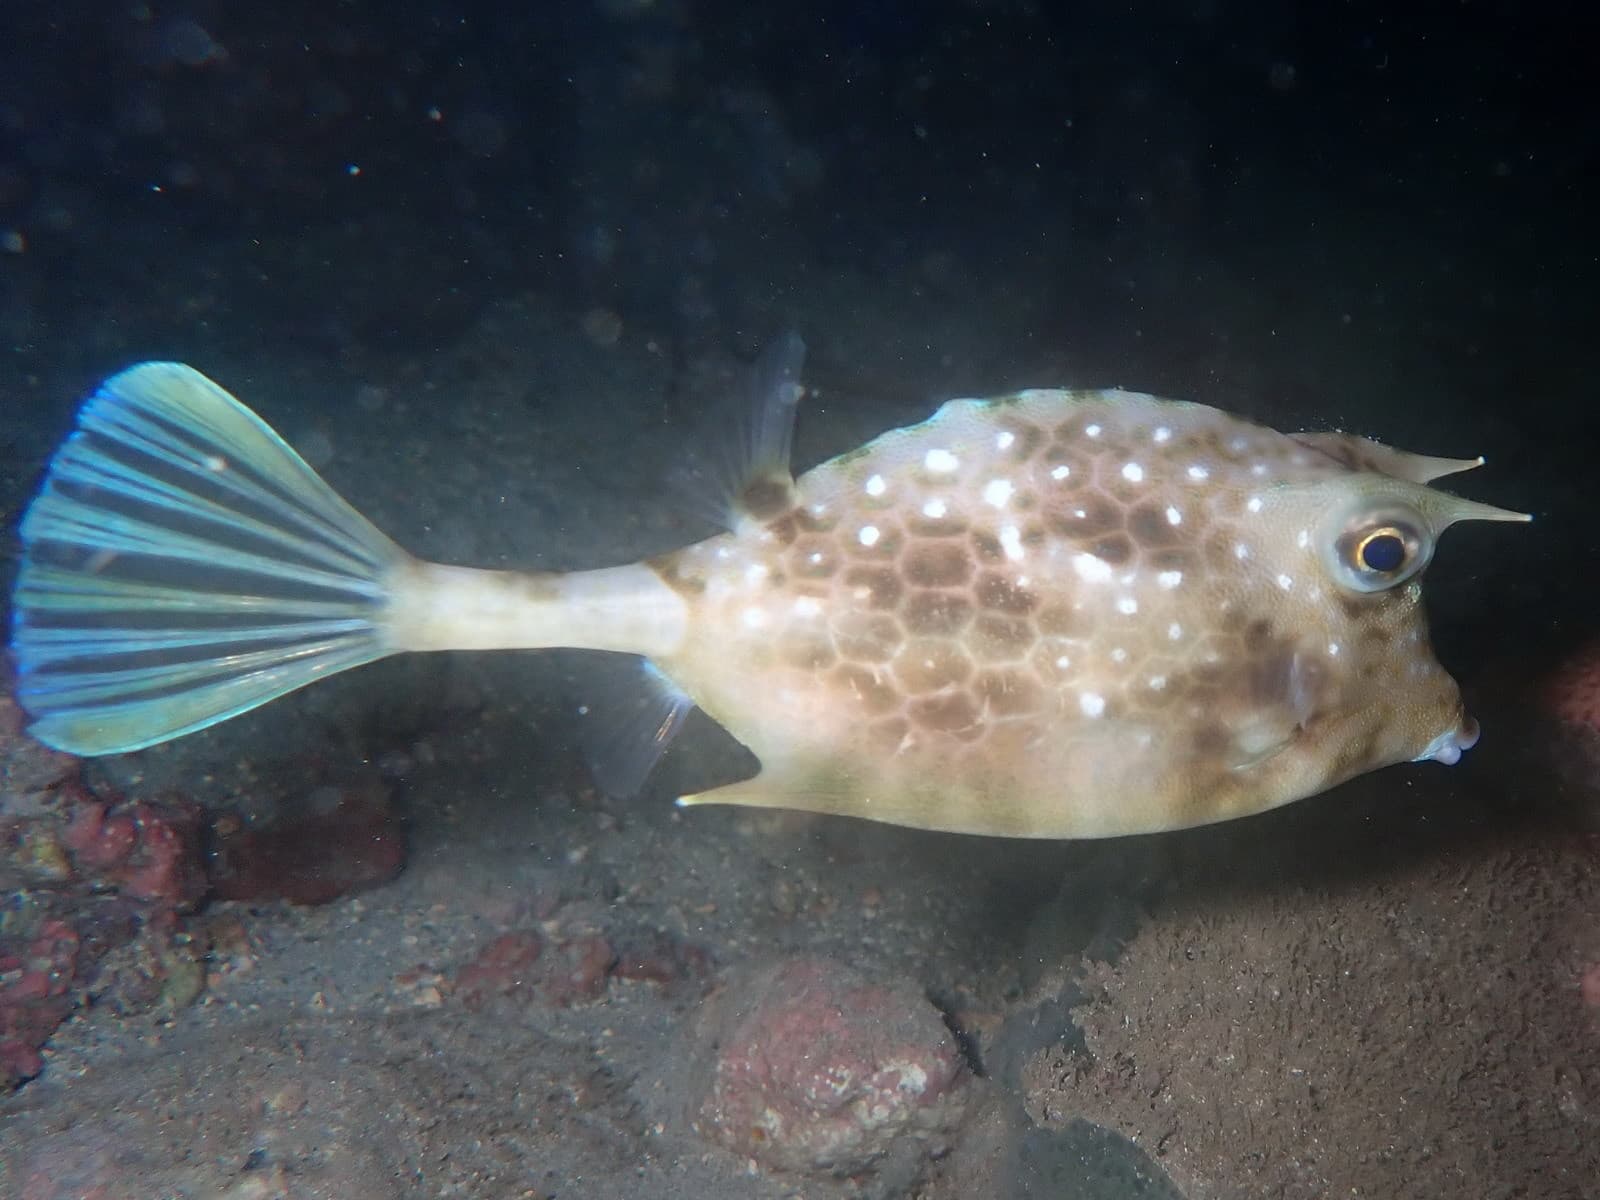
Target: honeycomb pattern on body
1065, 613
1018, 572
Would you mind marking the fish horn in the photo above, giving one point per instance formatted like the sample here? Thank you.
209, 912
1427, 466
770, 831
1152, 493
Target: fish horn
1428, 467
1448, 510
181, 564
1364, 454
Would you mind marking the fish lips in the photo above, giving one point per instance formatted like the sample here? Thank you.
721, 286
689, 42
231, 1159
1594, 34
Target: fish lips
1449, 745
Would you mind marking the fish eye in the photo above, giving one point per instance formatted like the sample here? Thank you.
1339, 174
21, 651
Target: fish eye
1382, 550
1373, 551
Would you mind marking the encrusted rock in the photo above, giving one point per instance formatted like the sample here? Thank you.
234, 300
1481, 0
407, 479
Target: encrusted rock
810, 1066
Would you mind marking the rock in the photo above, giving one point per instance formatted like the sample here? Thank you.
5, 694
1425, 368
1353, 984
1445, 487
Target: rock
559, 972
145, 850
810, 1066
354, 840
157, 974
1572, 691
27, 767
651, 956
84, 874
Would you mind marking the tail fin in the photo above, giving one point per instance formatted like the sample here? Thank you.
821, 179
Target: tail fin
182, 565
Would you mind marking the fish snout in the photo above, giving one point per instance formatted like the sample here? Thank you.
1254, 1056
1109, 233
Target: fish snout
1448, 746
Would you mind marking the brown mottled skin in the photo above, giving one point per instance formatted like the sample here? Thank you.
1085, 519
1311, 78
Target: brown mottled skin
1069, 614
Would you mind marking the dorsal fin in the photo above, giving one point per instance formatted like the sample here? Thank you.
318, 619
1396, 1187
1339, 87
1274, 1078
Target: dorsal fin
743, 471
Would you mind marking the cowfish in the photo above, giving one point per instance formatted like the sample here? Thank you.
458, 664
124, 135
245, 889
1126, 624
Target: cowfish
1047, 614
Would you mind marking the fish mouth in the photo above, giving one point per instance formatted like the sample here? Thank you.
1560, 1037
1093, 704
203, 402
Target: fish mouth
1449, 745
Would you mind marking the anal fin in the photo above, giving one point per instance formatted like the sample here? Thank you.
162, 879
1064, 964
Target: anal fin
628, 714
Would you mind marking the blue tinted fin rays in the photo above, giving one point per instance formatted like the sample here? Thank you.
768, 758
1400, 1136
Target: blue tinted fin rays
181, 565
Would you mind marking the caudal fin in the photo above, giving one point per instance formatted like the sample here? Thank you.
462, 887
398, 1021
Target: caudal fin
182, 565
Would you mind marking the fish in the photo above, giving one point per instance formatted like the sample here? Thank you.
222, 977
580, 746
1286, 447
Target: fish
1050, 613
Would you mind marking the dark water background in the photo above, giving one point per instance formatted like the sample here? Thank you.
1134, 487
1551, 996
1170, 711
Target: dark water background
470, 256
1230, 202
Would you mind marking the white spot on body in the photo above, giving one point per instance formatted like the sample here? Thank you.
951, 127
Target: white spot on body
1253, 504
1133, 472
1118, 654
1303, 538
1174, 516
1198, 473
1063, 662
1333, 649
935, 509
1093, 431
1158, 683
941, 461
1241, 551
1285, 582
816, 558
753, 617
1175, 632
807, 606
869, 535
1011, 543
1091, 569
1169, 579
1162, 434
1258, 469
1092, 704
1060, 472
997, 492
755, 573
1127, 606
1004, 438
876, 486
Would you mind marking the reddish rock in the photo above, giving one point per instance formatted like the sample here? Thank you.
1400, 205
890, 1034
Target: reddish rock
657, 957
579, 969
88, 874
36, 980
812, 1067
1572, 692
1589, 986
311, 858
103, 876
146, 851
524, 965
501, 968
